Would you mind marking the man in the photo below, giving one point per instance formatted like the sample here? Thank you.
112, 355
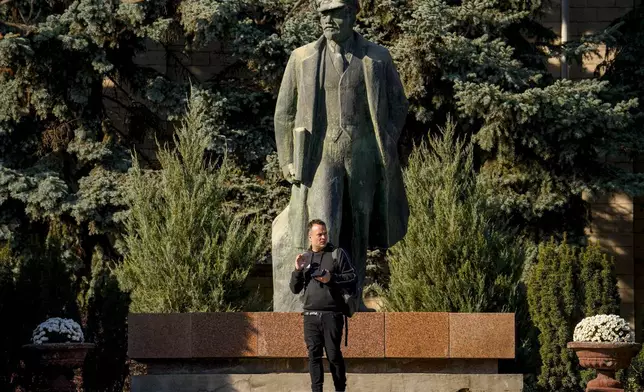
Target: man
321, 276
339, 113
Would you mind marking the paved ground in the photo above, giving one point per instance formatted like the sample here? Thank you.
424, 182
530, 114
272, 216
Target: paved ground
299, 382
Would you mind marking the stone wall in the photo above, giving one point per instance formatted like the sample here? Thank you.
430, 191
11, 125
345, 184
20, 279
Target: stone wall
386, 352
415, 335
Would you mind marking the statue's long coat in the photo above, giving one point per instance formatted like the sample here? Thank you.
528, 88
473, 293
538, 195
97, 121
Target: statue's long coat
296, 107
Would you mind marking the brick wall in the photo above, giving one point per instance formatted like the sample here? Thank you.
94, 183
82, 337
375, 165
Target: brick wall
585, 17
617, 221
198, 65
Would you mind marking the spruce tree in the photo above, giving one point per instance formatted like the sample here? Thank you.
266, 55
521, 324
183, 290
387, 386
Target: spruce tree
540, 142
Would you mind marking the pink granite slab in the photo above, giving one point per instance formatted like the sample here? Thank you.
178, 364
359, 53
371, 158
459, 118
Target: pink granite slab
481, 335
159, 335
416, 335
224, 335
366, 336
280, 335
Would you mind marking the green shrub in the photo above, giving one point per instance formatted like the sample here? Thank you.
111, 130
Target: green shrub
106, 366
7, 312
186, 250
555, 309
566, 284
634, 376
34, 285
454, 256
598, 282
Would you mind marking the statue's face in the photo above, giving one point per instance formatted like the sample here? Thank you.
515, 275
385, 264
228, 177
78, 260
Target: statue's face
338, 23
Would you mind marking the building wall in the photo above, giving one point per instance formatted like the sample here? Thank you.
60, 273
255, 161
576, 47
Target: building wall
197, 66
617, 220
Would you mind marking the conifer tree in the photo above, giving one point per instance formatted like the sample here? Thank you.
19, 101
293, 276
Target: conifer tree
555, 310
567, 284
181, 233
455, 257
540, 141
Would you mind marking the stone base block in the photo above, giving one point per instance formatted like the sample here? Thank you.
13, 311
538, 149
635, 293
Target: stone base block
301, 365
300, 382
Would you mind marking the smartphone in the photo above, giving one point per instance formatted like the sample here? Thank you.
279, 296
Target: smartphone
318, 273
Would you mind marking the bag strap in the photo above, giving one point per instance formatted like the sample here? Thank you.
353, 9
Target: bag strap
308, 258
334, 255
346, 331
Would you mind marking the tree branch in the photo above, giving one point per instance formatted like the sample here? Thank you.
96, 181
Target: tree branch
292, 11
138, 151
20, 26
130, 98
177, 61
129, 110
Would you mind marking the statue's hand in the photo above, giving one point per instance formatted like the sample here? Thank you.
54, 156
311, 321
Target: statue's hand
289, 173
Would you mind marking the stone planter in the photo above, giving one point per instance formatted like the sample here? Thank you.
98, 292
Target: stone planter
606, 358
51, 366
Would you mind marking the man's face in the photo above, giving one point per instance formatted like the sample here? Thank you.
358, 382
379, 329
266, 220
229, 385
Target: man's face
318, 237
338, 23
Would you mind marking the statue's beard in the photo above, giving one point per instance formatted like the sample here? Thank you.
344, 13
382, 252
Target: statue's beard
337, 36
331, 35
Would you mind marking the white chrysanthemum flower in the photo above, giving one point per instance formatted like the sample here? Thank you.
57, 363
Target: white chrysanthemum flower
603, 328
58, 330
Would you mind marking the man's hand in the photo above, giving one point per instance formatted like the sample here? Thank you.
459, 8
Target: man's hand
299, 262
326, 278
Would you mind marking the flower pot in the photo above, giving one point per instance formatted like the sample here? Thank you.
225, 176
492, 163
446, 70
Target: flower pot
51, 366
606, 358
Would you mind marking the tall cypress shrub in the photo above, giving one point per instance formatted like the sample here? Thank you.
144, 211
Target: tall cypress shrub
567, 284
598, 282
187, 251
454, 257
554, 308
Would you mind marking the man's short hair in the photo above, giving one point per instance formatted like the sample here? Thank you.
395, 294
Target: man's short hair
315, 222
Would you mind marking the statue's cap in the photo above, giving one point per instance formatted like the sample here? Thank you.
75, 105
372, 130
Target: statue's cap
325, 5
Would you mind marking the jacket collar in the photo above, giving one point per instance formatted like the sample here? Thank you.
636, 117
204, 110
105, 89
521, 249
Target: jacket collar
328, 248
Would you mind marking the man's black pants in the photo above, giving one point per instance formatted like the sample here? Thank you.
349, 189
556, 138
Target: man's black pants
324, 331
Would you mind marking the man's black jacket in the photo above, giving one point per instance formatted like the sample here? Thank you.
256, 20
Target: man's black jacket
321, 296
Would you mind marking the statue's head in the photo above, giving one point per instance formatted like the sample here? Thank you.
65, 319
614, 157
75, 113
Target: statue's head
337, 18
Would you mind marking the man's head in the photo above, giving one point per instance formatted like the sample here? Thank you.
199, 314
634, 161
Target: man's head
337, 18
317, 235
